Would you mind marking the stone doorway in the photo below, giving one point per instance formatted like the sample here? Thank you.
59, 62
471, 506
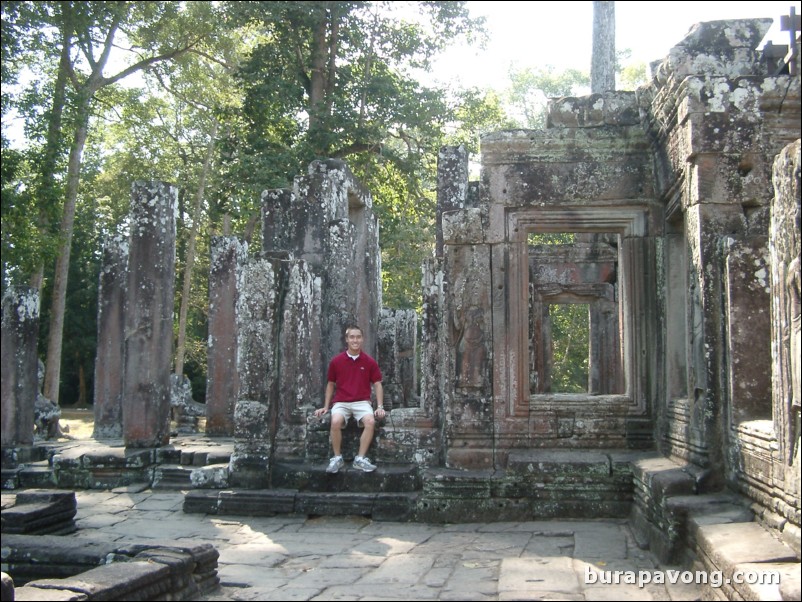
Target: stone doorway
610, 267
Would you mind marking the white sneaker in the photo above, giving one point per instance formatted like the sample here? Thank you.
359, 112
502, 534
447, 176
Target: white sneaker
335, 464
363, 464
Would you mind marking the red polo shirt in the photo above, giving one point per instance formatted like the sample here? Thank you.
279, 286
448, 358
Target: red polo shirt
353, 377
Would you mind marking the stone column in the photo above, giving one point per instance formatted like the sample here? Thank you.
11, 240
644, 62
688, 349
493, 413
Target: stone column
222, 382
452, 186
470, 415
432, 339
786, 311
254, 413
20, 330
110, 362
339, 279
301, 364
149, 315
397, 340
605, 349
406, 361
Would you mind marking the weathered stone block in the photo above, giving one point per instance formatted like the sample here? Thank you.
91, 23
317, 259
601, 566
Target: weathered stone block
149, 315
228, 255
327, 504
110, 358
113, 581
20, 329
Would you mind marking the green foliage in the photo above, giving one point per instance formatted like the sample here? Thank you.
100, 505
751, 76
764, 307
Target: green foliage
531, 88
629, 75
551, 238
329, 79
20, 235
570, 347
632, 76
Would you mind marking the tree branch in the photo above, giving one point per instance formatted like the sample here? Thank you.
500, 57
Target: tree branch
145, 63
358, 147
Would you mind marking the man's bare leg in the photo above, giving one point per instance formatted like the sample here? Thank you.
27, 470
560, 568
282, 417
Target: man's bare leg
336, 434
367, 435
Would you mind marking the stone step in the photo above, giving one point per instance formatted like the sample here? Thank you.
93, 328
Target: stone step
179, 476
38, 512
305, 476
384, 506
36, 475
172, 476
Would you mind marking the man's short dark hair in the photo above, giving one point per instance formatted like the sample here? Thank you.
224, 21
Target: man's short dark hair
353, 327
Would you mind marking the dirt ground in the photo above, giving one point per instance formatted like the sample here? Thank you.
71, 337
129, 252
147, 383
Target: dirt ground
80, 423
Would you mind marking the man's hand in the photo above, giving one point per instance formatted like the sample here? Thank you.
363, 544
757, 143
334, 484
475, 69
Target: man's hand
380, 413
321, 411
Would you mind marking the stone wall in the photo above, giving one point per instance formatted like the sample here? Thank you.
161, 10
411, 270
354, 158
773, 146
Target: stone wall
719, 112
677, 176
589, 172
319, 271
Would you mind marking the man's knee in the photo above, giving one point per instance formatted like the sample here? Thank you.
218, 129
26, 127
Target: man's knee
367, 421
337, 421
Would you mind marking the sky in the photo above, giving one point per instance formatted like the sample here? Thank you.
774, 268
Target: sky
536, 34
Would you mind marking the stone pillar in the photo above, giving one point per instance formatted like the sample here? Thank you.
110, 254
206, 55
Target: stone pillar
339, 280
20, 330
452, 186
786, 316
432, 337
327, 220
605, 349
228, 254
291, 225
257, 297
110, 362
149, 315
397, 343
406, 356
301, 364
470, 415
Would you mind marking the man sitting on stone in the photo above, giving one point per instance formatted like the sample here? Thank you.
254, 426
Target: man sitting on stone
350, 376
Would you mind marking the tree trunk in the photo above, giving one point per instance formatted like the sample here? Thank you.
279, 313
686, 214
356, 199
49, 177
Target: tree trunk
53, 365
317, 91
81, 386
190, 261
363, 96
334, 22
602, 68
48, 190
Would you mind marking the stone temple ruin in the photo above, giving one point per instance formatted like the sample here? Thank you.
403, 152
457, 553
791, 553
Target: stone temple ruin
684, 202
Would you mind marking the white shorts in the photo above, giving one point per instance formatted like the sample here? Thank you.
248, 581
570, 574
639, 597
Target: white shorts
357, 409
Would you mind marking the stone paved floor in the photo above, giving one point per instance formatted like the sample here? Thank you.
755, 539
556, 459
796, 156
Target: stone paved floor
353, 558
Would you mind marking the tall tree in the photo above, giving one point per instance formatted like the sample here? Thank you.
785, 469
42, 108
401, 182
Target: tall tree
337, 79
170, 130
95, 27
31, 50
602, 69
